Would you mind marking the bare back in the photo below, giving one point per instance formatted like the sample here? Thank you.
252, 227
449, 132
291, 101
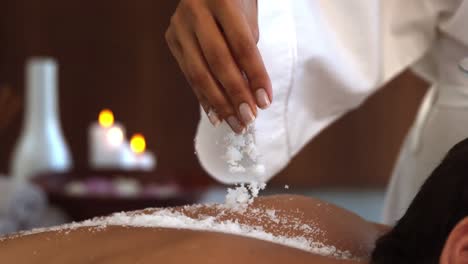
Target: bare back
281, 216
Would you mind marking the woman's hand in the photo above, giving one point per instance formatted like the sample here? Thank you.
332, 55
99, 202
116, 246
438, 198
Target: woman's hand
214, 42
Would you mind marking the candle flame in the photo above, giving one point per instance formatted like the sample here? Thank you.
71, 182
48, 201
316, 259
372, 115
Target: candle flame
106, 118
115, 136
138, 143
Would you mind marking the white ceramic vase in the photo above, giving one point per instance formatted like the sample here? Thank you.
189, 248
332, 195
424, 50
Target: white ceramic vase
41, 147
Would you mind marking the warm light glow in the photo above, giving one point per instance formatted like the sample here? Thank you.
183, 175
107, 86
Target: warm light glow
106, 118
138, 143
115, 136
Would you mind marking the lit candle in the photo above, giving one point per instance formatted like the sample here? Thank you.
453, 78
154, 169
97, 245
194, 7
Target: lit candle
144, 160
106, 142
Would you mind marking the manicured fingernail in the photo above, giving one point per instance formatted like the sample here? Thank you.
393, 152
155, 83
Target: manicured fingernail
235, 124
262, 98
213, 117
246, 114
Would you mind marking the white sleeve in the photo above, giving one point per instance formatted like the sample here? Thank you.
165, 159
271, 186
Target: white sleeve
324, 57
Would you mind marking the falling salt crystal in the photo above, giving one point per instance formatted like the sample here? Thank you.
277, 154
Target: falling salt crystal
255, 188
238, 140
239, 195
241, 154
233, 155
258, 170
251, 151
286, 186
243, 195
236, 169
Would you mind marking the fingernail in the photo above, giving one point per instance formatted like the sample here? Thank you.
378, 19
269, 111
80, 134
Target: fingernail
246, 114
263, 100
213, 117
235, 124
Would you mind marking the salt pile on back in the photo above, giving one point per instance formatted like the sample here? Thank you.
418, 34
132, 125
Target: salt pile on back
254, 222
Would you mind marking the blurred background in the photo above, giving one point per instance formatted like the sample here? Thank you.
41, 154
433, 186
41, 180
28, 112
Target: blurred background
112, 54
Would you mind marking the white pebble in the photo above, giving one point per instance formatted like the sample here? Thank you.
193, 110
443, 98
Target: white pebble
127, 187
75, 188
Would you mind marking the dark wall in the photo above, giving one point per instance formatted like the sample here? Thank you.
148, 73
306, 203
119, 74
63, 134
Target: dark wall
112, 54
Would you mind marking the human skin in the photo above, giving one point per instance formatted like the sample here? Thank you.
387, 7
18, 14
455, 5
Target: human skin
119, 244
214, 43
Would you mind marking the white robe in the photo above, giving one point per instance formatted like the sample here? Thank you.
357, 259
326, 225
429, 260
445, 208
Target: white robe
325, 57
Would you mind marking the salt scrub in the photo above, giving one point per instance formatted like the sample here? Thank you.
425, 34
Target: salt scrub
174, 218
241, 153
243, 195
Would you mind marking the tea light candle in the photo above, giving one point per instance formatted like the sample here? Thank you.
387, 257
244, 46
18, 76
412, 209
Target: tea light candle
144, 160
106, 142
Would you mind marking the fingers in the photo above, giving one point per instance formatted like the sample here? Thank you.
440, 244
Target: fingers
224, 68
192, 63
242, 42
175, 48
214, 42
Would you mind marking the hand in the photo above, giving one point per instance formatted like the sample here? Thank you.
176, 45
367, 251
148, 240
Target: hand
214, 43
